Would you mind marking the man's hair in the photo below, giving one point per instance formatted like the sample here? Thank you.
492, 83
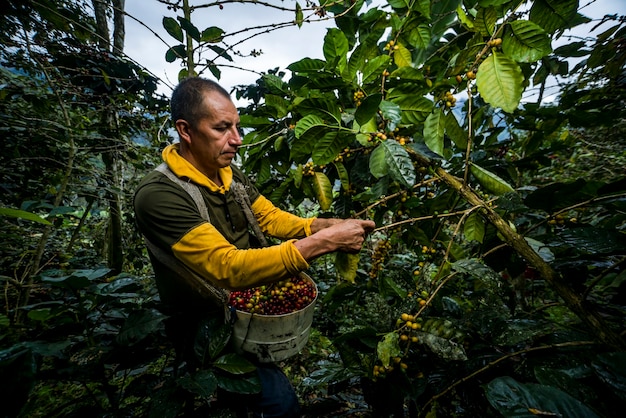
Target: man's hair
186, 102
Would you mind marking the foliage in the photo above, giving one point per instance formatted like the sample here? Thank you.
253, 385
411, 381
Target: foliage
479, 256
492, 286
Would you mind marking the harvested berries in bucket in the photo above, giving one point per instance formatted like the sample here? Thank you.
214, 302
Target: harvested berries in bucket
283, 297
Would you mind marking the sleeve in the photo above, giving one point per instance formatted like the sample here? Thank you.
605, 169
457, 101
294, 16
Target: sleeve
278, 223
208, 253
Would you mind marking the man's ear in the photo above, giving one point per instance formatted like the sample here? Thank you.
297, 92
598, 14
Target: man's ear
184, 130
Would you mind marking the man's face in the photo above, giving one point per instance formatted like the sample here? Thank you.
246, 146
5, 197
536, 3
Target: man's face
214, 142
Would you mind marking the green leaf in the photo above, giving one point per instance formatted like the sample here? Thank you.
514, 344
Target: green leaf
514, 399
190, 28
391, 112
306, 65
329, 142
203, 383
388, 348
233, 363
443, 347
414, 106
490, 181
611, 369
527, 41
173, 28
485, 21
299, 15
553, 14
374, 68
323, 190
368, 108
245, 384
175, 52
434, 129
422, 6
335, 49
378, 162
455, 132
399, 163
474, 228
139, 325
306, 123
344, 178
212, 34
500, 82
402, 56
22, 214
347, 265
419, 36
79, 279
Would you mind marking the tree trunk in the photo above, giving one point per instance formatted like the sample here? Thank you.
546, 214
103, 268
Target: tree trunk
113, 239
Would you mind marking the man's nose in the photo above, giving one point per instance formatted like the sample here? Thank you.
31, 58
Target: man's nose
235, 137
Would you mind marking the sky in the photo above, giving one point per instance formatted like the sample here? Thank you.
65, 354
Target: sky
280, 47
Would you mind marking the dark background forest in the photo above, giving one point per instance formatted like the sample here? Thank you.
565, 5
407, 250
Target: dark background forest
494, 284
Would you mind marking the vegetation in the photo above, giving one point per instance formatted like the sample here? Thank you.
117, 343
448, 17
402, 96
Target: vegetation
492, 286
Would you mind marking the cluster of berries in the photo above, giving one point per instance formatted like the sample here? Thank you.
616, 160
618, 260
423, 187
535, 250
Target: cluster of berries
283, 297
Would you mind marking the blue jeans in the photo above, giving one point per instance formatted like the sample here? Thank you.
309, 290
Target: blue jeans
277, 398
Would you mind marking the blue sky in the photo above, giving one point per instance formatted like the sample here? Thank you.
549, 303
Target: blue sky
280, 47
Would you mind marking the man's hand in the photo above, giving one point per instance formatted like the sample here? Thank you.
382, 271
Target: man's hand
330, 235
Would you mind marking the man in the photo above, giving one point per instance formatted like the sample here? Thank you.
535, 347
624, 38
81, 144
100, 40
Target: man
221, 250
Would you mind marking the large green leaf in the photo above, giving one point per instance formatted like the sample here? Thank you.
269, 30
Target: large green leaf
329, 142
22, 214
203, 383
347, 265
342, 173
246, 384
388, 348
212, 34
234, 364
490, 181
139, 325
368, 108
434, 128
306, 65
419, 36
402, 56
457, 134
306, 123
611, 369
374, 68
527, 41
553, 14
391, 112
190, 28
474, 228
500, 82
335, 49
323, 190
79, 279
415, 107
399, 163
173, 28
443, 347
378, 162
514, 399
485, 21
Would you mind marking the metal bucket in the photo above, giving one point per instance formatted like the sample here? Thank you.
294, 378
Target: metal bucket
273, 338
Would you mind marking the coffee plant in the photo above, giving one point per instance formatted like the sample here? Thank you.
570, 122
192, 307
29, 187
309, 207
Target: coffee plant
484, 137
418, 118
